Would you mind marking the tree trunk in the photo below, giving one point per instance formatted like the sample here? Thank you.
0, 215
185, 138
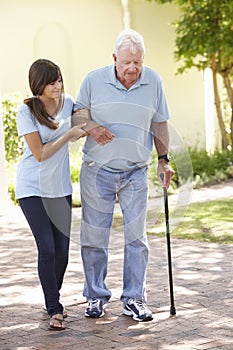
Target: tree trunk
218, 105
227, 84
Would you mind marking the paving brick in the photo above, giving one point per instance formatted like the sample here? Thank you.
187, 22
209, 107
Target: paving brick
203, 290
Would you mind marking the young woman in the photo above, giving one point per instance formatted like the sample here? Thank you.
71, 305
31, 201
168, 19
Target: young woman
43, 184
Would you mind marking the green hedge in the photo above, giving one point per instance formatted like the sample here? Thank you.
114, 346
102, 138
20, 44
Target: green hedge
196, 165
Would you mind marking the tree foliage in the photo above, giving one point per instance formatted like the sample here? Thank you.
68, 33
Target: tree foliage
13, 143
204, 38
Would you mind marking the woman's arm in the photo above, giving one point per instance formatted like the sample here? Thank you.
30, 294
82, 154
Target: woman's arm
43, 151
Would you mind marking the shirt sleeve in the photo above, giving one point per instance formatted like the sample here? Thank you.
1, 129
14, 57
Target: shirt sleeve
84, 95
25, 121
161, 110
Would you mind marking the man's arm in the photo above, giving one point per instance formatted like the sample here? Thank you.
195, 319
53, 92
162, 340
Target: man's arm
161, 141
161, 137
98, 132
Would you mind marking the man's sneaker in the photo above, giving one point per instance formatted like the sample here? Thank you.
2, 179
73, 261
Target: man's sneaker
138, 310
95, 308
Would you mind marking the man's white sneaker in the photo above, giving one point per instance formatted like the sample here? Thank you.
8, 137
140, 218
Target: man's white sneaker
138, 310
95, 308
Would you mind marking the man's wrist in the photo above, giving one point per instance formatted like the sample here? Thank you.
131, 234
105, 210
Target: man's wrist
164, 157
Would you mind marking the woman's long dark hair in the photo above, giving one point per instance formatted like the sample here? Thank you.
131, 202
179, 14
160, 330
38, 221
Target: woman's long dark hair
41, 73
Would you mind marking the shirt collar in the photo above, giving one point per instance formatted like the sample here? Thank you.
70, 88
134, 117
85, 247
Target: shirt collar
112, 79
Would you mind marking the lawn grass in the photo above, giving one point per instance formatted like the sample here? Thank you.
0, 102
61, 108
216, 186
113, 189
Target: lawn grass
210, 221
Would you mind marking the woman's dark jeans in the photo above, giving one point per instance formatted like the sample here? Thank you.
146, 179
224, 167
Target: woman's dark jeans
50, 222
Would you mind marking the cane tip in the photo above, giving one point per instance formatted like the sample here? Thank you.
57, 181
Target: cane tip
172, 311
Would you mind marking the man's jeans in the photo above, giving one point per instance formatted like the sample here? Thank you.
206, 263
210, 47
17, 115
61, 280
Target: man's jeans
99, 190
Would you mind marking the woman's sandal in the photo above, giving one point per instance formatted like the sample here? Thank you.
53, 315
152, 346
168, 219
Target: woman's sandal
56, 323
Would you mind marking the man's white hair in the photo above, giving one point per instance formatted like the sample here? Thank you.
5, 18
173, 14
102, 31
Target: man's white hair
129, 39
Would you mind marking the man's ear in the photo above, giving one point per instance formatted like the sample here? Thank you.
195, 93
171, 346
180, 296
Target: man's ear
114, 57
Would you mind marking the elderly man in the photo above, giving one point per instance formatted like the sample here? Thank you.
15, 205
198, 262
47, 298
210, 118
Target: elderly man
128, 110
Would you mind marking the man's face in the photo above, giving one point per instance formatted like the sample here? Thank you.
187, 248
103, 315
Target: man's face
128, 66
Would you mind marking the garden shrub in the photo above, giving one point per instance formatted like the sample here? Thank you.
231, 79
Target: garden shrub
13, 143
206, 168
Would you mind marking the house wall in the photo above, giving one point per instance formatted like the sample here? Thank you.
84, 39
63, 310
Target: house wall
79, 35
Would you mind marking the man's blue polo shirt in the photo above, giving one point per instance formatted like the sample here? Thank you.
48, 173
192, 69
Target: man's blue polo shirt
127, 113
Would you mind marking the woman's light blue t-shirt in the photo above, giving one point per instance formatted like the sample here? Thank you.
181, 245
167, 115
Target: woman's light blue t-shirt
51, 177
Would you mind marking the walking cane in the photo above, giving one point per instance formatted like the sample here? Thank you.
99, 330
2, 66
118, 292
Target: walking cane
172, 308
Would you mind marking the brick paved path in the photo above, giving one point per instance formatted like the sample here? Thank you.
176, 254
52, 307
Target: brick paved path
202, 285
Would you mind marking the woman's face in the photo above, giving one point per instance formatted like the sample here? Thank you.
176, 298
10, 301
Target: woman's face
53, 90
